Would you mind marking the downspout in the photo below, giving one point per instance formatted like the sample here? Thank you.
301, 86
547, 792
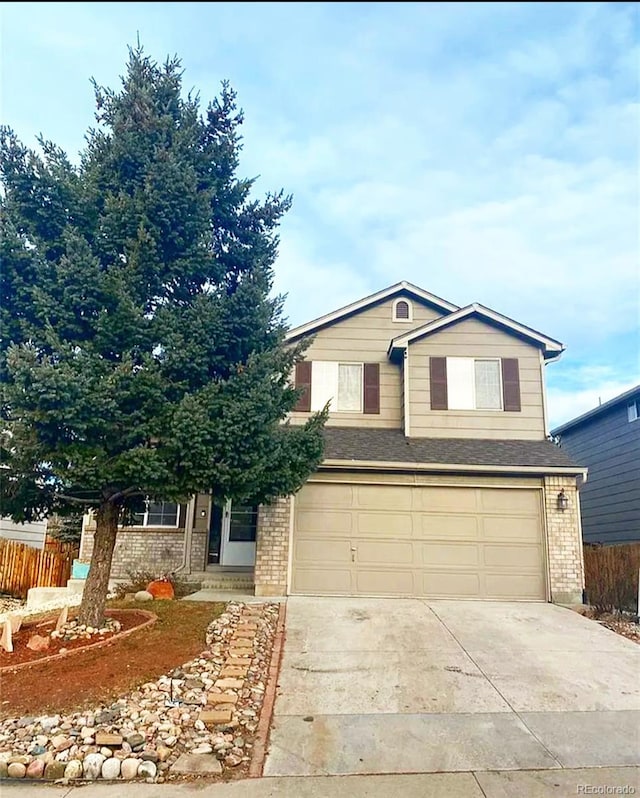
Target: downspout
185, 565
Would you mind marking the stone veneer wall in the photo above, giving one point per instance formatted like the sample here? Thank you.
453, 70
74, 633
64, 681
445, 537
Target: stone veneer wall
155, 550
564, 540
272, 548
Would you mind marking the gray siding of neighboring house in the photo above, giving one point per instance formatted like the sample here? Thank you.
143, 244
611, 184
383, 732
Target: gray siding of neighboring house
609, 445
30, 534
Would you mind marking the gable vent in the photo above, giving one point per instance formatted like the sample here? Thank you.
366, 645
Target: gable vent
402, 310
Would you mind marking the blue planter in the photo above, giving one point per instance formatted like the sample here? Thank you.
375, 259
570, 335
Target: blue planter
79, 570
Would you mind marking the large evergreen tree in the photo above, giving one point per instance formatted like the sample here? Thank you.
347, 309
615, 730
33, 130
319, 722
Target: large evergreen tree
142, 353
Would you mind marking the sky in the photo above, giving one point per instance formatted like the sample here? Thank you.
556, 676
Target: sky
485, 152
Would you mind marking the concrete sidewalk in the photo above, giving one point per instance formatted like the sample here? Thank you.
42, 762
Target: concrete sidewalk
496, 784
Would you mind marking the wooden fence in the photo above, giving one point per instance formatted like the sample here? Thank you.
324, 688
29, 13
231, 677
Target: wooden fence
611, 576
22, 567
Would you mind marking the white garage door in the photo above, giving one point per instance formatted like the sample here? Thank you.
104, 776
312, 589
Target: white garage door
405, 540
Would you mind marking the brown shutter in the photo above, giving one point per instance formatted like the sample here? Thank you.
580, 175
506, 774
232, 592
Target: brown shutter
511, 384
303, 380
438, 380
371, 387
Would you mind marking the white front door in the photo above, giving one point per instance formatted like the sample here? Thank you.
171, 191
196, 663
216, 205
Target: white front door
239, 525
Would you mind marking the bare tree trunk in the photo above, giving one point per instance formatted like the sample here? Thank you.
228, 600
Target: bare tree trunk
96, 587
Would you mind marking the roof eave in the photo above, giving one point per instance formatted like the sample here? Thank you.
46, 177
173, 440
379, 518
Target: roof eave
460, 468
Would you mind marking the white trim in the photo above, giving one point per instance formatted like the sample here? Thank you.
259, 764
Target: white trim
407, 403
543, 382
550, 345
386, 465
290, 557
361, 304
409, 304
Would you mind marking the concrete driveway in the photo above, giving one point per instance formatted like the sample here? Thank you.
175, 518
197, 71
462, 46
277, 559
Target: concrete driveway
413, 686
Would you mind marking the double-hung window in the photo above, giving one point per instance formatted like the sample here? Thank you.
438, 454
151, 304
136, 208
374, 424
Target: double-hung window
474, 383
633, 410
349, 388
156, 514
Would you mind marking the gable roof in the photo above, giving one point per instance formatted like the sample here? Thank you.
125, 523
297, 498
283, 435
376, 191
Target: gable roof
389, 448
550, 347
597, 411
403, 288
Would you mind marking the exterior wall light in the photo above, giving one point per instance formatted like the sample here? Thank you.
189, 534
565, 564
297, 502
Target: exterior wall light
563, 500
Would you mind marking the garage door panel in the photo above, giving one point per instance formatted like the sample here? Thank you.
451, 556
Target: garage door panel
322, 496
387, 498
506, 586
327, 522
383, 582
322, 581
510, 557
451, 584
440, 553
322, 551
445, 500
413, 540
511, 528
525, 502
463, 527
388, 552
387, 524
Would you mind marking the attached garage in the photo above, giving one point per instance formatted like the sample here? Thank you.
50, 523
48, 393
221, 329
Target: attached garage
436, 541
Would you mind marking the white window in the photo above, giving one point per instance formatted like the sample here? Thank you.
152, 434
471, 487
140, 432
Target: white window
148, 513
474, 383
488, 385
349, 388
337, 383
633, 410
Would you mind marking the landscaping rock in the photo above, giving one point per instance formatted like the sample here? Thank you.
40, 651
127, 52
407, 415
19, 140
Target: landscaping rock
129, 768
16, 770
161, 589
143, 595
35, 770
147, 769
73, 770
110, 768
54, 771
197, 764
92, 766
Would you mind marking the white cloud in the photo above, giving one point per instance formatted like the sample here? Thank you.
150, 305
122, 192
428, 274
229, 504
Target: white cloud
565, 405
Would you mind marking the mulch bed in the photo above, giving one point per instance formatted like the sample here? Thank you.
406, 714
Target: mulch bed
100, 675
43, 628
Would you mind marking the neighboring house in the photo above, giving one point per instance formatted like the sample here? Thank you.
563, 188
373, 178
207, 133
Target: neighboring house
32, 534
607, 440
438, 478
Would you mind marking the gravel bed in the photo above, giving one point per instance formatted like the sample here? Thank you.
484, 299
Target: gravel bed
163, 729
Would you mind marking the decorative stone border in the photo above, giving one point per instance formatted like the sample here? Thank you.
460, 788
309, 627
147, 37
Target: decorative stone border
151, 619
264, 724
200, 719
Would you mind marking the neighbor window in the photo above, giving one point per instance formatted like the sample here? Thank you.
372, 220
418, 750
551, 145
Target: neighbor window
349, 388
633, 410
148, 513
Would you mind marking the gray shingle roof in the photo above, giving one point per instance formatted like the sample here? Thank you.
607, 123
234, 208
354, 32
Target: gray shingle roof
390, 445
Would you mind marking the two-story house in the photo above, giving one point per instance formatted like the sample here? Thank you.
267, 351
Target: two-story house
607, 440
438, 480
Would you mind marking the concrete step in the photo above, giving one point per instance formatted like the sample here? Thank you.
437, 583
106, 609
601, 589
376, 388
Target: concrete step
216, 583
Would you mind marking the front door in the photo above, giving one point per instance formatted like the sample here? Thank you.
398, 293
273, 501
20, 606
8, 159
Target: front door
239, 526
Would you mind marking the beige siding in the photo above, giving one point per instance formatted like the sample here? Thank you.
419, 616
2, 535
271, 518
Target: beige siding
474, 338
365, 337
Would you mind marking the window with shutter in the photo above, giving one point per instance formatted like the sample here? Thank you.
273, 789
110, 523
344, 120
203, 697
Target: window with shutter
371, 399
438, 382
303, 381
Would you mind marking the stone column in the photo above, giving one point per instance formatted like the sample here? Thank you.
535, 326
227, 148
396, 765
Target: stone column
564, 541
272, 548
